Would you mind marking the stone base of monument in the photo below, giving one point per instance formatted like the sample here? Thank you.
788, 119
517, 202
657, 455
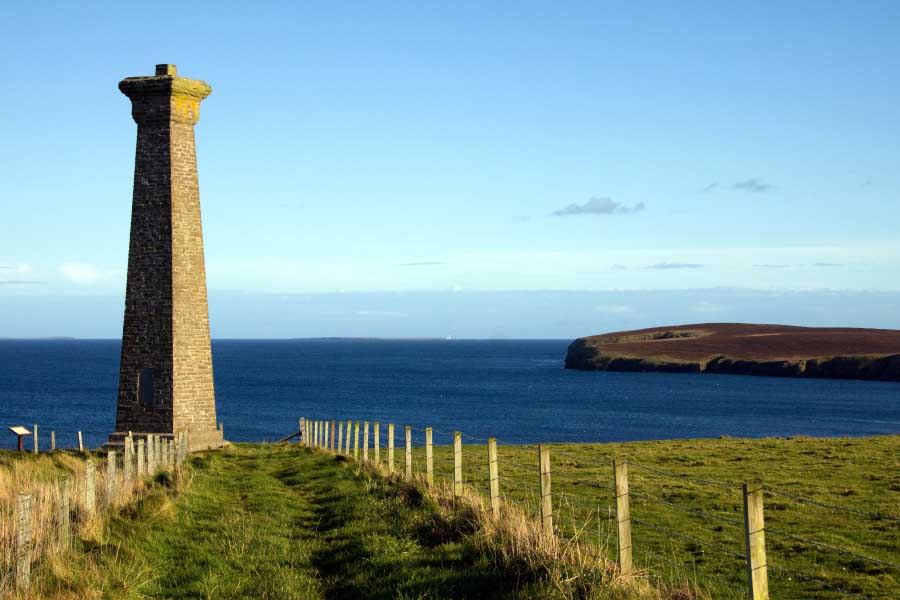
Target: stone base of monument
198, 440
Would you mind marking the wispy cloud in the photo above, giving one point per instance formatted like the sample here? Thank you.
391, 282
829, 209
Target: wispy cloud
429, 263
21, 282
827, 264
85, 273
704, 307
521, 218
616, 310
618, 268
764, 266
380, 313
598, 206
710, 188
753, 185
674, 265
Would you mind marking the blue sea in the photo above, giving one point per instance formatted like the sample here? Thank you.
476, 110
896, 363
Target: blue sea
514, 390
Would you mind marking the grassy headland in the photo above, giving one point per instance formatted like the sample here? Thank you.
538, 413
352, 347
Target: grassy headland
744, 349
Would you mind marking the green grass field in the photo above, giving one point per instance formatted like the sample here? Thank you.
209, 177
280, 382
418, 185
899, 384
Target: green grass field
685, 526
264, 521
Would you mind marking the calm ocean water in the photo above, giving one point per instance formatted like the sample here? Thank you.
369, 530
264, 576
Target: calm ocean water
514, 390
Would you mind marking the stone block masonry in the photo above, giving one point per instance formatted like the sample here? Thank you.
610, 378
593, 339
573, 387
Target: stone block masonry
165, 375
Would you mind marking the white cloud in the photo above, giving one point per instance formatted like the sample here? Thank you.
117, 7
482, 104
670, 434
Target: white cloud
86, 273
380, 313
598, 206
704, 307
616, 310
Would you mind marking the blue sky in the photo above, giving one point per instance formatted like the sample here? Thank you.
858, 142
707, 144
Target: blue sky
440, 168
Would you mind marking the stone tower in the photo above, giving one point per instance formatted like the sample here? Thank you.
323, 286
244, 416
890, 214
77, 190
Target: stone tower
165, 375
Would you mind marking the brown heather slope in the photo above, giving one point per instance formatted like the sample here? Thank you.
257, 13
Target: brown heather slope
740, 348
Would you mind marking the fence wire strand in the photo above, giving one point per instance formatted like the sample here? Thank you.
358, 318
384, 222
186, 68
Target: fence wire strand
869, 515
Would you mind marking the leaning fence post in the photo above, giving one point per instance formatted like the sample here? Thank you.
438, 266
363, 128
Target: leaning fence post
365, 441
23, 541
65, 492
429, 457
90, 498
35, 435
755, 535
623, 517
494, 477
408, 452
52, 440
80, 443
457, 464
356, 441
546, 499
376, 433
391, 448
110, 476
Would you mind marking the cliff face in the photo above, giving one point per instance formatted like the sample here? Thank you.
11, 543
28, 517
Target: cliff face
730, 348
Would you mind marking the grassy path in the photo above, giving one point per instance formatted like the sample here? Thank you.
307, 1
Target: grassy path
276, 522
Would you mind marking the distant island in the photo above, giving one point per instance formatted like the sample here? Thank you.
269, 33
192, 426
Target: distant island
744, 349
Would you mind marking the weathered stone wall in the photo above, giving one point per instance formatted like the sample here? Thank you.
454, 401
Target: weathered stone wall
166, 326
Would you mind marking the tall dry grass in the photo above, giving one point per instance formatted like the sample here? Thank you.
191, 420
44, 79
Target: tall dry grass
575, 565
44, 477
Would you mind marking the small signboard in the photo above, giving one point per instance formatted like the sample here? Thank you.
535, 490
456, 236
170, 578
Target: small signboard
19, 430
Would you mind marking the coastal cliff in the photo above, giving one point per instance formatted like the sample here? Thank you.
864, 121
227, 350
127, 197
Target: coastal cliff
744, 349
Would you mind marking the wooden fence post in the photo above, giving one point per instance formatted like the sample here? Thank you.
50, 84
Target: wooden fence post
623, 517
365, 441
110, 476
126, 462
356, 441
429, 458
494, 476
340, 439
151, 454
140, 458
90, 497
316, 434
376, 432
457, 464
65, 492
325, 439
52, 440
390, 448
408, 453
755, 535
23, 541
35, 435
332, 435
80, 443
546, 498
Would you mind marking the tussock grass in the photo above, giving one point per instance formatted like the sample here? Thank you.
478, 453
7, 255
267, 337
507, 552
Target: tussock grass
44, 476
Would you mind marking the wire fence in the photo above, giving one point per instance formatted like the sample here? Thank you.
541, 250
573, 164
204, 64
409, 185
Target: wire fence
731, 539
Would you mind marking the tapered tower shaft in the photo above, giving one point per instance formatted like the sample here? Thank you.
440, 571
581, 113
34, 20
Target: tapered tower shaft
165, 375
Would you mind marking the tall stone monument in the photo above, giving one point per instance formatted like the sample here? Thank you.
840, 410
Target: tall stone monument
165, 375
